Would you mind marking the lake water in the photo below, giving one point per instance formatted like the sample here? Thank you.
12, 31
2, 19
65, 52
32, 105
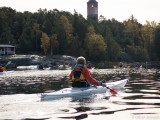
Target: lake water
20, 96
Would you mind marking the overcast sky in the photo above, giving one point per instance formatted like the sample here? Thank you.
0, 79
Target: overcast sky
118, 9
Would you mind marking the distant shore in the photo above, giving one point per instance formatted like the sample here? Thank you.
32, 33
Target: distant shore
46, 61
54, 61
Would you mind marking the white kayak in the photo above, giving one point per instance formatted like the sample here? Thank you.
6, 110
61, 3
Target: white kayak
83, 91
6, 72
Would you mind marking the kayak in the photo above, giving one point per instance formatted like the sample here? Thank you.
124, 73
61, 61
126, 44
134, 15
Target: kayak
64, 67
6, 72
83, 91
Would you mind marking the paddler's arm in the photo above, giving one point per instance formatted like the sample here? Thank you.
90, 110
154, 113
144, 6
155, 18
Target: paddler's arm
87, 74
71, 74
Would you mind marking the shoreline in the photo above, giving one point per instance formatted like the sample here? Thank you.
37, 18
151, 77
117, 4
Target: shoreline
30, 60
53, 62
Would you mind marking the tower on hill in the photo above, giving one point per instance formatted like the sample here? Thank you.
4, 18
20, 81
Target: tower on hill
92, 9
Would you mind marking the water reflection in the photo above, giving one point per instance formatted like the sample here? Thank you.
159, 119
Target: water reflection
79, 117
139, 100
32, 84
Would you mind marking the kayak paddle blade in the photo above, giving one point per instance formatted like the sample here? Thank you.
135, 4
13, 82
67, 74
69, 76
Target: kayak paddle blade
9, 62
114, 91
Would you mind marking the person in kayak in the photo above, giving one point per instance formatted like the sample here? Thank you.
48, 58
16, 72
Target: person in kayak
40, 67
89, 66
2, 68
81, 76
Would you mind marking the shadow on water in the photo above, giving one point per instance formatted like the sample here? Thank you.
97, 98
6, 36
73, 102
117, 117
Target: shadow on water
31, 85
79, 117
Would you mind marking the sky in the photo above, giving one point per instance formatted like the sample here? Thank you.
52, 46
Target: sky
120, 10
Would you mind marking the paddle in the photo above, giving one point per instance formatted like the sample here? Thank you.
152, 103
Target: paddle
9, 62
113, 91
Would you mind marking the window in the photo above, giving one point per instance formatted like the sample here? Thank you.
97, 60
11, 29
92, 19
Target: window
8, 49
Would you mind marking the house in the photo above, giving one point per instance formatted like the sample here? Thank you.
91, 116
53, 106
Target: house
7, 50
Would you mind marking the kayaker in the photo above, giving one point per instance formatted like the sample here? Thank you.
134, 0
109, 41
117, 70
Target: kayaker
40, 67
121, 65
137, 66
89, 66
81, 76
2, 68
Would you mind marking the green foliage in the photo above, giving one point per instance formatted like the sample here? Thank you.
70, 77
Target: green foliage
65, 36
60, 32
95, 45
141, 54
157, 41
26, 40
147, 38
113, 48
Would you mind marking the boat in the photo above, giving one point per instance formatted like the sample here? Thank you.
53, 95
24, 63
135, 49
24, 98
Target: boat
64, 67
31, 67
6, 72
83, 91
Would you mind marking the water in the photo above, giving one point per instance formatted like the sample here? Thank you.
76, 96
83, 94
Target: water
20, 96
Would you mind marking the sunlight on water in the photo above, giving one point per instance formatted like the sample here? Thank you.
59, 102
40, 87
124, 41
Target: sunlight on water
139, 101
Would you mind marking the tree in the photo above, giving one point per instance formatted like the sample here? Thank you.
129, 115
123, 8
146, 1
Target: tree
45, 42
80, 29
101, 18
70, 34
54, 43
47, 26
131, 32
65, 36
6, 36
36, 28
26, 40
141, 54
157, 41
147, 38
94, 45
113, 49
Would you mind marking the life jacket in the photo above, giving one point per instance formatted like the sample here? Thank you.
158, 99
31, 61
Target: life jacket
77, 74
1, 70
78, 80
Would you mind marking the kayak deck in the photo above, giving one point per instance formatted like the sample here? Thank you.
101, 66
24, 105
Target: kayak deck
6, 72
83, 91
118, 84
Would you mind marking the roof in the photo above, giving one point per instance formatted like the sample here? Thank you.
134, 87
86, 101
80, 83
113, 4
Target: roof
92, 1
6, 46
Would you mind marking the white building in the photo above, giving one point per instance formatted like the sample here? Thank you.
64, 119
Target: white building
7, 50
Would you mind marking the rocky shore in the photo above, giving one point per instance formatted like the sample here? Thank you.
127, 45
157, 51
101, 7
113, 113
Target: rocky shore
53, 62
47, 61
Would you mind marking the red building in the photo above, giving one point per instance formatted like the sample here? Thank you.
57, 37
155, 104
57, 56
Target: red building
92, 9
7, 50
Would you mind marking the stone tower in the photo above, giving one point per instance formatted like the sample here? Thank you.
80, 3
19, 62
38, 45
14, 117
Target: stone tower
92, 9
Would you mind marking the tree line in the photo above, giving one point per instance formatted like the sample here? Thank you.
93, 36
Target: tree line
60, 32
